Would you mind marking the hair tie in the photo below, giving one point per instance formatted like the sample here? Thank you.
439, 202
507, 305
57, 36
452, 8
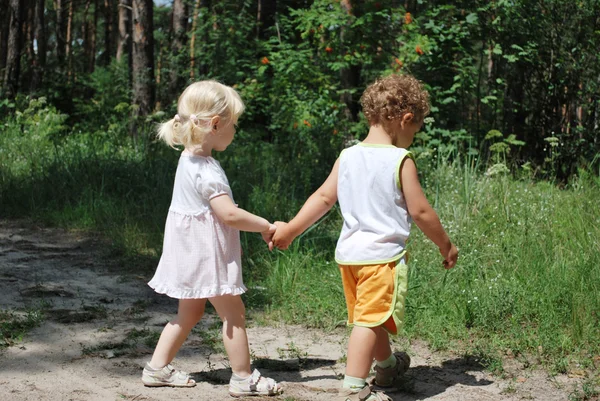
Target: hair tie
193, 118
177, 118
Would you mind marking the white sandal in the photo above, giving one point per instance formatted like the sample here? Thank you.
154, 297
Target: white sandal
166, 377
254, 385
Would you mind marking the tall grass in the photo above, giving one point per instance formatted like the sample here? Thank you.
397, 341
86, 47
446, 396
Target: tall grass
527, 281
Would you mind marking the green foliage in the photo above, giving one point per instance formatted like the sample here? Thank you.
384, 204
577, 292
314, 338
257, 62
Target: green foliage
14, 326
106, 104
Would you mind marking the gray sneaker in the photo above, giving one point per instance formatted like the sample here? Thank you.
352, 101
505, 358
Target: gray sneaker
366, 394
385, 377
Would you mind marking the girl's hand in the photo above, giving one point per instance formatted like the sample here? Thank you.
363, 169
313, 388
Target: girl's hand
450, 257
268, 235
282, 238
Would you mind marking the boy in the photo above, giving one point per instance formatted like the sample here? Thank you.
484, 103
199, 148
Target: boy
378, 189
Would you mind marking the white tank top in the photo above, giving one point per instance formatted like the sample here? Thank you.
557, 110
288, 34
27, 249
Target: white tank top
376, 220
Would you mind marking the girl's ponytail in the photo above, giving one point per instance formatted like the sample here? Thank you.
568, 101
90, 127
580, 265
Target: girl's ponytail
167, 132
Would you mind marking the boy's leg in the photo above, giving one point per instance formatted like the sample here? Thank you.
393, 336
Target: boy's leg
382, 350
360, 351
232, 312
189, 312
389, 366
361, 347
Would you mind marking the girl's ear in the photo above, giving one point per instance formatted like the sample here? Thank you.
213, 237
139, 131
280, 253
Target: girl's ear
407, 118
215, 122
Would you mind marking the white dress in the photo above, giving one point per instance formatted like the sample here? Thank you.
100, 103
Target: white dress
201, 255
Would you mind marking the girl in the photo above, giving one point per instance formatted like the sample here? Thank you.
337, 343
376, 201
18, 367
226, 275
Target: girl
201, 257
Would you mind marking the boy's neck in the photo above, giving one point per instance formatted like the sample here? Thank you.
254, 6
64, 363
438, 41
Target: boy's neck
378, 136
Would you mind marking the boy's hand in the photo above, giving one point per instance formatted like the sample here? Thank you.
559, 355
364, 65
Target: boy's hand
282, 238
267, 236
450, 257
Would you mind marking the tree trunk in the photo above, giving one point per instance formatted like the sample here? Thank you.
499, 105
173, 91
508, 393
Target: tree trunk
265, 17
143, 57
60, 32
89, 36
13, 58
108, 32
4, 25
28, 37
179, 35
193, 39
40, 39
124, 46
69, 44
349, 76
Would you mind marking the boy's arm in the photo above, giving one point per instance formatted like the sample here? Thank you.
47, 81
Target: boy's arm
319, 203
238, 218
423, 214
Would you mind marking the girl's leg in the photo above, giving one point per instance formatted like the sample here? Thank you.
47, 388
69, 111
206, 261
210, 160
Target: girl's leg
232, 312
361, 346
189, 313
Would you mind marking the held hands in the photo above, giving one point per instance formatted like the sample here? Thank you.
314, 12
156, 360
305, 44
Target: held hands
267, 236
450, 256
277, 236
282, 238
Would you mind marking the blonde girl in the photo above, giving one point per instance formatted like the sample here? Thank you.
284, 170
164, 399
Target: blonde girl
201, 257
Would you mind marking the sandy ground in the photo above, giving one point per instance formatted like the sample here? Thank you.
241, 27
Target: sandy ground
100, 327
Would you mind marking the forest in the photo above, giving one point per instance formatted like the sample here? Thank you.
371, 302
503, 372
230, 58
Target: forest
507, 78
509, 156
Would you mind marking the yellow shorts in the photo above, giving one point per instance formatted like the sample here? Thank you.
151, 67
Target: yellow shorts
375, 294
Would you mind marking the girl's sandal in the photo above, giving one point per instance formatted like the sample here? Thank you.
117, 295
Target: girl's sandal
166, 377
254, 385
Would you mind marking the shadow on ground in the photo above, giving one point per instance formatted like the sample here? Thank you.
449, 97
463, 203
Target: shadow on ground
420, 382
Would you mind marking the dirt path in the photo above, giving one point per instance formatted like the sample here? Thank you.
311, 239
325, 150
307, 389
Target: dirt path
100, 327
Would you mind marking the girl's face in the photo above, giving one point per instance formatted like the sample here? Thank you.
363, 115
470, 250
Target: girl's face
224, 135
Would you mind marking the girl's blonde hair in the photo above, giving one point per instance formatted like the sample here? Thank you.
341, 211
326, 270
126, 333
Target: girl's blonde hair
197, 105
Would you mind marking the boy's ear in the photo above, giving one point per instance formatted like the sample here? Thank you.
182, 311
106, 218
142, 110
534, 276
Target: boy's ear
407, 118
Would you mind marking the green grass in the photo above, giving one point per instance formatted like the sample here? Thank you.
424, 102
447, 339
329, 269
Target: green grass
527, 281
14, 325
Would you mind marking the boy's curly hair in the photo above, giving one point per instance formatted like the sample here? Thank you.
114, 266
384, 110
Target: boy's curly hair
389, 98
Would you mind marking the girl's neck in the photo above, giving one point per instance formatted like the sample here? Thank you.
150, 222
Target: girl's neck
200, 150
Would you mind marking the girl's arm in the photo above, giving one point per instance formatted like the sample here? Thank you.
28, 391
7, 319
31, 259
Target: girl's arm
238, 218
319, 203
423, 214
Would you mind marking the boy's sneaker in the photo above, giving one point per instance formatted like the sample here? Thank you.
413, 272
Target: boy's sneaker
166, 377
254, 385
385, 377
366, 394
